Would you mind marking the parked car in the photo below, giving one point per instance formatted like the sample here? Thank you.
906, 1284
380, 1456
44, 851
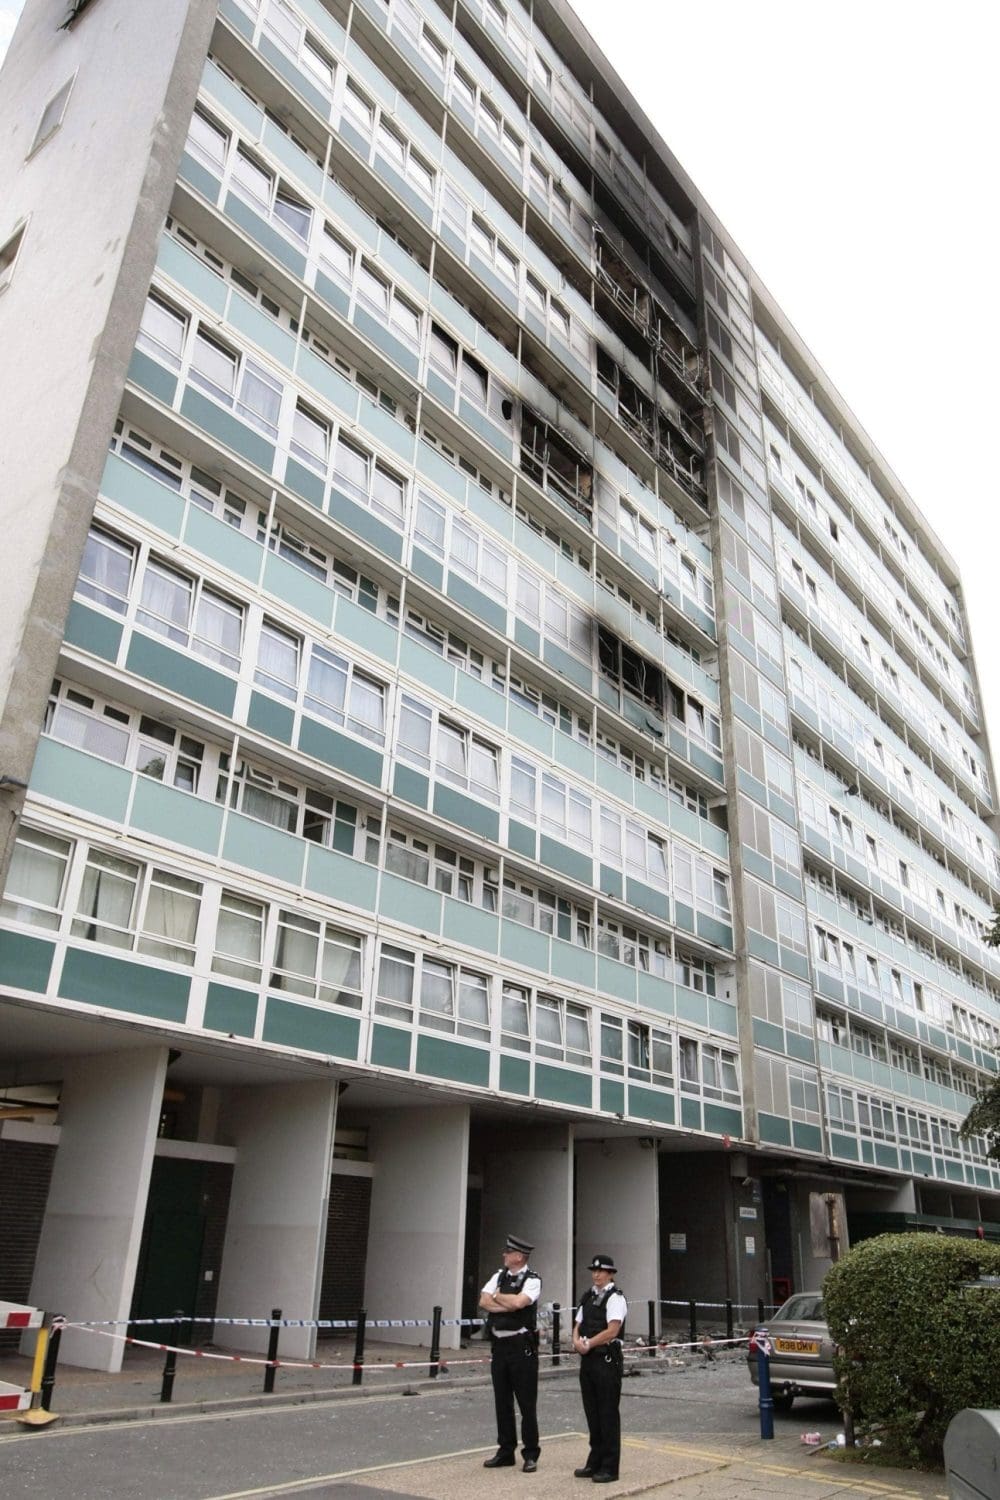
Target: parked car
801, 1351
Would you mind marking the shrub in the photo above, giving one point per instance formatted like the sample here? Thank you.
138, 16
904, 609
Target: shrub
915, 1347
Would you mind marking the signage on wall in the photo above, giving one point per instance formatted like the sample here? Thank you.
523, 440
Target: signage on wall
678, 1241
748, 1213
750, 1244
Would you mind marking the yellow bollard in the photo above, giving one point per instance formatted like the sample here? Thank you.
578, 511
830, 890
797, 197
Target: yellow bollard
36, 1416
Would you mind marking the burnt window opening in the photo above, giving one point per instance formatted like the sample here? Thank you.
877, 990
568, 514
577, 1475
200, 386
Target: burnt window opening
548, 459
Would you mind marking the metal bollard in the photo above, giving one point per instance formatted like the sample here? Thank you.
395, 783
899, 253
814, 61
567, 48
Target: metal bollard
765, 1400
729, 1320
359, 1347
556, 1357
693, 1321
51, 1355
652, 1328
435, 1343
270, 1369
170, 1363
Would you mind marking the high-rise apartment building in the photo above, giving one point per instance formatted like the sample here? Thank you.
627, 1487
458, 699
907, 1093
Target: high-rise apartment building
487, 742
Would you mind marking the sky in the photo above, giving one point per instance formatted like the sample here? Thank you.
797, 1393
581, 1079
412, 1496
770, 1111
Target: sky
850, 150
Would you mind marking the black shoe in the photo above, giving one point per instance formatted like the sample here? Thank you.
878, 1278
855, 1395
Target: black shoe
601, 1477
530, 1465
500, 1461
585, 1473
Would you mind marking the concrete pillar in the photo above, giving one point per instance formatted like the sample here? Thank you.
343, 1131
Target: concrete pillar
528, 1191
416, 1235
617, 1213
109, 1114
276, 1228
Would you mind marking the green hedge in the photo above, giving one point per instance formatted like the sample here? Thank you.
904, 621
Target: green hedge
915, 1347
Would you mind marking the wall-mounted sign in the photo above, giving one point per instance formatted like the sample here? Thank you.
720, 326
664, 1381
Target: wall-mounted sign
750, 1244
748, 1213
678, 1241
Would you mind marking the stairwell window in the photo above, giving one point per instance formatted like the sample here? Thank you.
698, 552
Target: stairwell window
207, 141
106, 570
52, 115
162, 331
36, 880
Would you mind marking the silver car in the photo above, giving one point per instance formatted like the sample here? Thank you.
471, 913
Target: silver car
801, 1351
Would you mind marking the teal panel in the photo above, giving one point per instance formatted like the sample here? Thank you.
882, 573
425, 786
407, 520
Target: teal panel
723, 1017
775, 1130
657, 994
844, 1146
570, 861
361, 521
427, 667
182, 674
407, 902
305, 483
118, 984
569, 961
390, 1048
612, 882
691, 1006
527, 638
267, 237
475, 602
285, 581
93, 632
650, 1104
564, 1086
270, 717
515, 1075
80, 780
152, 377
410, 786
458, 808
530, 729
260, 847
222, 542
801, 1047
766, 1034
887, 1156
722, 1120
310, 1030
807, 1137
614, 978
191, 271
439, 1058
400, 354
340, 750
259, 326
229, 430
719, 933
357, 624
25, 962
691, 1113
468, 924
428, 568
199, 177
567, 666
480, 699
612, 1097
521, 838
143, 495
762, 947
334, 296
340, 877
644, 898
340, 393
175, 815
524, 945
230, 1010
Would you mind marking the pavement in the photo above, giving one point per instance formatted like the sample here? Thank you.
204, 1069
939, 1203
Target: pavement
692, 1464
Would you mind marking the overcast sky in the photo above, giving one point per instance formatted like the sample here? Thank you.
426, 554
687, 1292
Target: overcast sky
850, 149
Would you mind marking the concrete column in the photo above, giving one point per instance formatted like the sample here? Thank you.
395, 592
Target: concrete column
88, 1250
276, 1229
416, 1235
617, 1213
528, 1191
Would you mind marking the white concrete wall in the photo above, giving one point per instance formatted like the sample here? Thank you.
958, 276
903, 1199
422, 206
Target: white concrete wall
416, 1235
617, 1213
89, 1246
528, 1191
93, 199
276, 1229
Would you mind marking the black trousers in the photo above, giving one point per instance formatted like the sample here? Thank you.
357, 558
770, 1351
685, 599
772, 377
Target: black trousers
601, 1389
514, 1369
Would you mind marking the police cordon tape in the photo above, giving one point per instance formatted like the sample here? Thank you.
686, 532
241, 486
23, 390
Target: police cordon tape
444, 1362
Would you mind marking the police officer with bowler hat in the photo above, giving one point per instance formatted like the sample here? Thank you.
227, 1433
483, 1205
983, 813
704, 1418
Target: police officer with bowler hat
510, 1298
597, 1338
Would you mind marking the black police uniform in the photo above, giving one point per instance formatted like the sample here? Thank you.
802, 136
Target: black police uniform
514, 1367
601, 1382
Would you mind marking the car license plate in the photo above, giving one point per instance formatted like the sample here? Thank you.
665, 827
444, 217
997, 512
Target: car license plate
796, 1346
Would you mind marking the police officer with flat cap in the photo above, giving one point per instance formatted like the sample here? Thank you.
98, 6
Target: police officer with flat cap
510, 1299
597, 1338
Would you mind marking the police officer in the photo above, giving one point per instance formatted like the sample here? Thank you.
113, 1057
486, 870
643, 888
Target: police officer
510, 1298
597, 1338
